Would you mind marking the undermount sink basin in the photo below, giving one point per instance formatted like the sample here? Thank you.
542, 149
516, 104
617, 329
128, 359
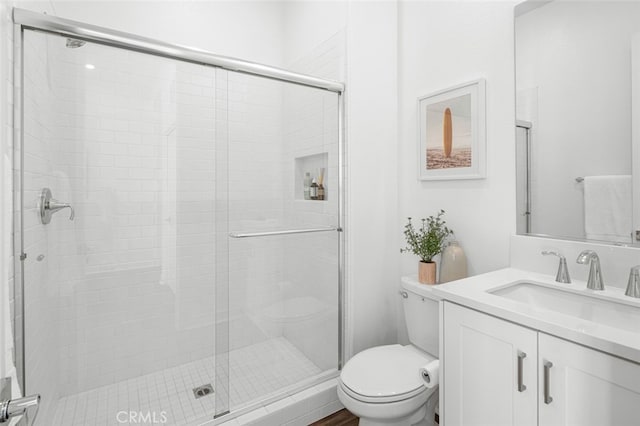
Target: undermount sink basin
579, 304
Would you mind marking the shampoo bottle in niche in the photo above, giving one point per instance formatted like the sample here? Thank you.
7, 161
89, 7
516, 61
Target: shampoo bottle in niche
307, 186
313, 190
320, 187
453, 264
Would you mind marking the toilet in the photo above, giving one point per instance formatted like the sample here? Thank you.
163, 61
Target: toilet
382, 385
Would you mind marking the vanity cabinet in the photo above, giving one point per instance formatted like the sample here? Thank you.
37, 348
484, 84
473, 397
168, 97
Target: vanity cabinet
484, 358
586, 387
487, 381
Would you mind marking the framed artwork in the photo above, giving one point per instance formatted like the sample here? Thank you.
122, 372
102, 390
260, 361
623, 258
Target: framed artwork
451, 133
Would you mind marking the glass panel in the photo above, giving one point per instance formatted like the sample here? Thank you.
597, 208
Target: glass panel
120, 301
283, 307
222, 245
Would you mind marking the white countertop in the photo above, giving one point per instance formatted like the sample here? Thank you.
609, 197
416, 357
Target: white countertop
473, 293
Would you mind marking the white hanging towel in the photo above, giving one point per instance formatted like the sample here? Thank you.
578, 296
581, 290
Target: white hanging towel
607, 208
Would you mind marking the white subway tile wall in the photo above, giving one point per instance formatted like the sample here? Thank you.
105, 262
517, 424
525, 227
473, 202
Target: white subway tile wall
41, 308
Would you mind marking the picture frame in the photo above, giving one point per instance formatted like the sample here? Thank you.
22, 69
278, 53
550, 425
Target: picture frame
452, 133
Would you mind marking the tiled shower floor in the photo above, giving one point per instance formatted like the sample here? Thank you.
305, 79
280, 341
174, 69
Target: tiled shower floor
255, 370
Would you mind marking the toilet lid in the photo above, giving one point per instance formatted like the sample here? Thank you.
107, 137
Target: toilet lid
385, 371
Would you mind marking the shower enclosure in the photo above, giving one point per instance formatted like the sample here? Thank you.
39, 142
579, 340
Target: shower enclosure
168, 266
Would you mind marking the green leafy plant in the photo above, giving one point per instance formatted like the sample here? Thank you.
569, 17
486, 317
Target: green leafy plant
428, 240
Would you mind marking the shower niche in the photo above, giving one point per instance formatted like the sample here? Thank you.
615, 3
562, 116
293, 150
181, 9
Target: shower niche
317, 166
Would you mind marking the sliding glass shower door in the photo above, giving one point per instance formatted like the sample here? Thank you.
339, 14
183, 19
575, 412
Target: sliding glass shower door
125, 274
284, 239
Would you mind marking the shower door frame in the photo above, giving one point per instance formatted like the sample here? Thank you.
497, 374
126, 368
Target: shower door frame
526, 126
28, 20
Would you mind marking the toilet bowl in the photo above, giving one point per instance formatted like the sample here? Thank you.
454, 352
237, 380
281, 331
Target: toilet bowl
382, 385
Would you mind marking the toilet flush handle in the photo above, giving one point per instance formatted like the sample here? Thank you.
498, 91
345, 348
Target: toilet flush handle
404, 294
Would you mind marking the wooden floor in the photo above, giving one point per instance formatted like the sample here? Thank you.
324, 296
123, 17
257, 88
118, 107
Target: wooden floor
345, 418
341, 418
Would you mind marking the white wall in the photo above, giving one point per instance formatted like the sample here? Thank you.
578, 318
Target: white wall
251, 30
372, 172
443, 44
308, 24
573, 83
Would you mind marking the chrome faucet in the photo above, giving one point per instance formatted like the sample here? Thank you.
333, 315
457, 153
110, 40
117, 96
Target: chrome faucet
48, 206
594, 282
562, 276
17, 407
10, 409
633, 286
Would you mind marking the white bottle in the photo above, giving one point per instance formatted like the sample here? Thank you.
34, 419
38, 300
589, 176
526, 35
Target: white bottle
307, 186
453, 264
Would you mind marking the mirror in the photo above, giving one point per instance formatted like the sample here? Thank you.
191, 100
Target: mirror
577, 83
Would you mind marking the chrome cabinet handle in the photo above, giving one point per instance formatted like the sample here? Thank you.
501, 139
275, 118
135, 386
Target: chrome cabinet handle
521, 356
547, 397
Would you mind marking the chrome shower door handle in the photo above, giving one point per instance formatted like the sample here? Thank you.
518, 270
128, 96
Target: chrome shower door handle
49, 205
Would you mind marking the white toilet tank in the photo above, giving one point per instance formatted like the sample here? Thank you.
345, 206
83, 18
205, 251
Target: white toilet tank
421, 315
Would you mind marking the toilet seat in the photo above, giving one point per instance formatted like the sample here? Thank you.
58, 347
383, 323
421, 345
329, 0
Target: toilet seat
385, 374
382, 399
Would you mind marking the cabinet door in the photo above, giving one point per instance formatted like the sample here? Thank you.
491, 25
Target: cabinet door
586, 387
481, 370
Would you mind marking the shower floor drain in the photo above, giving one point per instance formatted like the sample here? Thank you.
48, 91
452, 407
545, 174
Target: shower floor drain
203, 390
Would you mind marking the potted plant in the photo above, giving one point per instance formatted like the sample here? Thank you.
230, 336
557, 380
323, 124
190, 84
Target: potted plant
427, 242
